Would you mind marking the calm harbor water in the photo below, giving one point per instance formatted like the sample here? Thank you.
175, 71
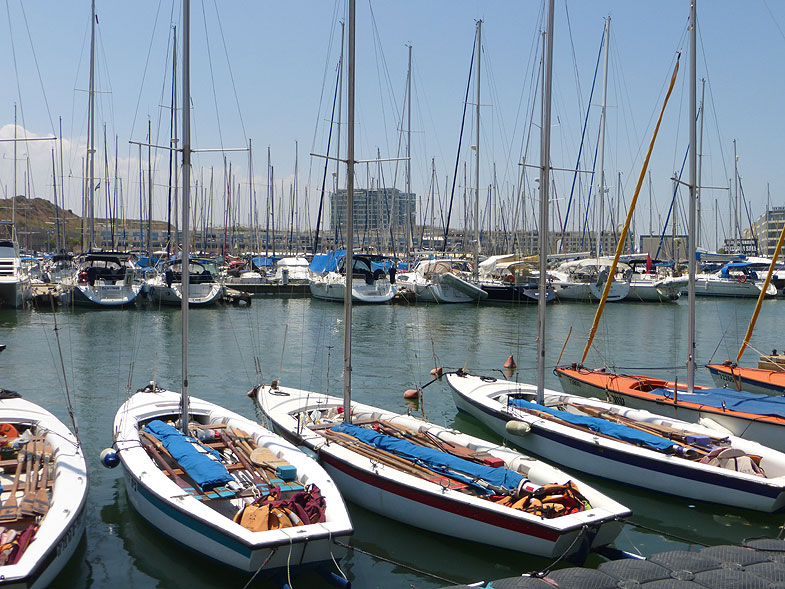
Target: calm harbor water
300, 341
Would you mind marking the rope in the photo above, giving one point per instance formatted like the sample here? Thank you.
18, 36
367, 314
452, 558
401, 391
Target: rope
666, 534
544, 572
396, 563
266, 560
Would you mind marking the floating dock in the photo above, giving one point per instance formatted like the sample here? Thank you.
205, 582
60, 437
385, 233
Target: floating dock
758, 564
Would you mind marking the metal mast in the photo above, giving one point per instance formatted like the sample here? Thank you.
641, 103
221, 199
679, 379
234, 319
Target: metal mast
545, 156
186, 249
347, 302
477, 161
601, 155
692, 213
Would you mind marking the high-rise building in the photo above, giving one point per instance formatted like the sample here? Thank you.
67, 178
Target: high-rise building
766, 230
373, 210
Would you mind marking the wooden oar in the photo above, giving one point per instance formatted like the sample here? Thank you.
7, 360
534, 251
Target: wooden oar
246, 462
41, 501
150, 446
31, 480
665, 432
8, 512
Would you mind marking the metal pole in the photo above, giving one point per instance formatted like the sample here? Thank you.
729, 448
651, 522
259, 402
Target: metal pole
693, 194
186, 250
347, 344
545, 153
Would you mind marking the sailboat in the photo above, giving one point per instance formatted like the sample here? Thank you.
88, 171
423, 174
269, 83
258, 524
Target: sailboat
614, 441
430, 476
166, 287
769, 377
214, 481
44, 493
747, 415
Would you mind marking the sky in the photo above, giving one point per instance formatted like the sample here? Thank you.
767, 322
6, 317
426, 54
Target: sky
264, 73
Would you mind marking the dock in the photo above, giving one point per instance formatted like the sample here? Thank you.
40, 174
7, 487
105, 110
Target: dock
756, 564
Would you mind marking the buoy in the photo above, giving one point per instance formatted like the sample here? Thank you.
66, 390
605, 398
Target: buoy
510, 363
109, 458
437, 371
411, 394
517, 428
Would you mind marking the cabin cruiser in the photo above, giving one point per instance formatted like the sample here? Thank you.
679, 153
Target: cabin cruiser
14, 281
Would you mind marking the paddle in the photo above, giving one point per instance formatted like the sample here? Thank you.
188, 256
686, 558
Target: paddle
8, 512
150, 445
41, 500
31, 480
243, 460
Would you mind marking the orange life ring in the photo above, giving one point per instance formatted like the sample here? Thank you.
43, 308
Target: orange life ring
742, 278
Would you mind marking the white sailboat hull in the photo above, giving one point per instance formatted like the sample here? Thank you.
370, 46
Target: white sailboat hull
765, 433
428, 505
61, 529
210, 532
617, 460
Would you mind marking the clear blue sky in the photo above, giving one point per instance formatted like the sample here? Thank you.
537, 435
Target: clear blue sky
270, 72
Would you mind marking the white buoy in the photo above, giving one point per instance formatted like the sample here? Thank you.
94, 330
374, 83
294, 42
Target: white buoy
517, 428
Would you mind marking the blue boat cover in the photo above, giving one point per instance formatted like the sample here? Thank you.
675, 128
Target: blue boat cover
438, 461
263, 261
731, 400
206, 472
602, 426
326, 262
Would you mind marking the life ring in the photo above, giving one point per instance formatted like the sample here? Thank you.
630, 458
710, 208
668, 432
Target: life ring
742, 278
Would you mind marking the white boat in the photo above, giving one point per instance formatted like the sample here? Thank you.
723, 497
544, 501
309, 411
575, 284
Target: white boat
734, 279
165, 288
14, 282
652, 282
384, 482
368, 285
428, 282
236, 492
102, 279
291, 271
626, 445
203, 519
584, 280
44, 495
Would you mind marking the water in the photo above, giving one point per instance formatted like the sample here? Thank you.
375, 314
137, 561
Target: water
300, 341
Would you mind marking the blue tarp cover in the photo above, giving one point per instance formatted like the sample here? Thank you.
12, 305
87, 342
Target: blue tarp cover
436, 460
263, 261
602, 426
326, 262
206, 472
734, 400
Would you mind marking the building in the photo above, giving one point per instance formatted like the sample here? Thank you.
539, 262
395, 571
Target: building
373, 210
766, 231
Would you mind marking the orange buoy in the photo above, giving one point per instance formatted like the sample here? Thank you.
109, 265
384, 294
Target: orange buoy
510, 363
411, 394
437, 371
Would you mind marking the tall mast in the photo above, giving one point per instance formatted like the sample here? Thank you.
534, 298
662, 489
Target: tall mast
347, 301
601, 155
693, 193
91, 133
545, 156
477, 161
700, 167
409, 153
186, 251
149, 191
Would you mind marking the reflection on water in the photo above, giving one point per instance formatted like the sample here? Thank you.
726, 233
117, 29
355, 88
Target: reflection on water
394, 348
